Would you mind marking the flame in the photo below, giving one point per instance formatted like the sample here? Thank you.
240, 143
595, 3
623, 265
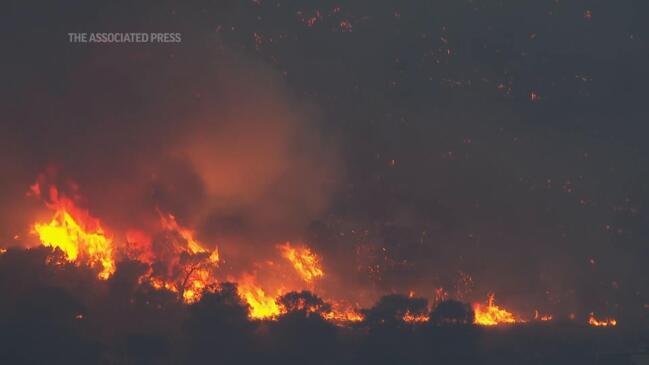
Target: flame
169, 222
190, 278
542, 317
491, 314
262, 305
415, 318
345, 316
607, 322
343, 313
185, 266
75, 232
305, 261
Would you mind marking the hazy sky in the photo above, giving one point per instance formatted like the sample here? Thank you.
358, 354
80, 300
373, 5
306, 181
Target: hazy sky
501, 139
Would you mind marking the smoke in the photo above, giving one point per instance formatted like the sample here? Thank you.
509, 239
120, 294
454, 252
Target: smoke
448, 173
211, 137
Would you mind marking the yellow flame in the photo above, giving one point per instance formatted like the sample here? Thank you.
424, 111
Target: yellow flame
262, 306
169, 222
343, 316
79, 242
415, 318
607, 322
492, 315
305, 262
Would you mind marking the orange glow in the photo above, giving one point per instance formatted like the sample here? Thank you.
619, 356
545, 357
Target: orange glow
138, 246
491, 314
187, 265
343, 317
169, 222
262, 305
305, 261
415, 318
342, 313
607, 322
178, 262
80, 236
542, 317
190, 276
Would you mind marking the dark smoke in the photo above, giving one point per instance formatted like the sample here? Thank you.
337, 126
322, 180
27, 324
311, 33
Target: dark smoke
212, 137
473, 146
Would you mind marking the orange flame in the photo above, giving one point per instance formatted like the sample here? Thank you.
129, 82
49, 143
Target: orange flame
305, 261
169, 222
262, 305
491, 314
542, 317
607, 322
415, 318
343, 314
195, 276
76, 233
189, 266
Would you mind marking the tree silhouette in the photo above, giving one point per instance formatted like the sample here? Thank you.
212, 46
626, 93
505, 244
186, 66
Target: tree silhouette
304, 303
452, 312
392, 308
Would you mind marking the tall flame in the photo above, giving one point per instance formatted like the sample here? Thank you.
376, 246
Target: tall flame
305, 261
191, 277
180, 263
169, 222
75, 232
262, 305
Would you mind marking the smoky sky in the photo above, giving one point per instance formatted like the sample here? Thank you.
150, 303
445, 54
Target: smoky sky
408, 143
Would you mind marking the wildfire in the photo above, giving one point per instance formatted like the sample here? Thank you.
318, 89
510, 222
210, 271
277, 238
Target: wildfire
343, 313
491, 314
191, 269
178, 262
607, 322
542, 317
415, 318
305, 262
345, 316
262, 305
75, 232
169, 222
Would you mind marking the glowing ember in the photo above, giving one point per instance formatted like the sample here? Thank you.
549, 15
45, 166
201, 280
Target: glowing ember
342, 313
492, 315
607, 322
415, 318
76, 233
304, 261
343, 317
542, 317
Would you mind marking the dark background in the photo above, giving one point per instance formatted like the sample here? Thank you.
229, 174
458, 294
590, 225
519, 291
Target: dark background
427, 140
